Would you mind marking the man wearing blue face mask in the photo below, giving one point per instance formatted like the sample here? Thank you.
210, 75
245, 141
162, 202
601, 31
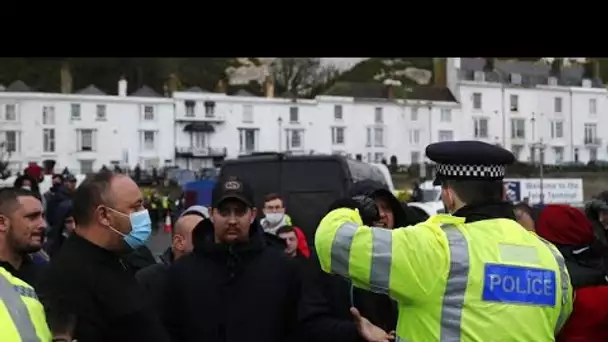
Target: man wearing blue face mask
88, 279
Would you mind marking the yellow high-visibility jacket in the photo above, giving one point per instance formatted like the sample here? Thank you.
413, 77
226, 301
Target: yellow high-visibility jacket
22, 317
482, 281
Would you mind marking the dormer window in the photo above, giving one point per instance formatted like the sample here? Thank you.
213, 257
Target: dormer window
515, 78
553, 81
479, 76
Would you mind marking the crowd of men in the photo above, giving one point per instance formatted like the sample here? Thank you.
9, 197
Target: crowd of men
488, 271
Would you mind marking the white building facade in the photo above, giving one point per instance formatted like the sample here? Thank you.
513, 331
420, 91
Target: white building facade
85, 132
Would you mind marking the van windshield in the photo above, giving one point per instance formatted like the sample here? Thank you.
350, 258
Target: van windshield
430, 195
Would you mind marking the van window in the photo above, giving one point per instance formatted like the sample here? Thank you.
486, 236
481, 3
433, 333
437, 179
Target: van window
361, 171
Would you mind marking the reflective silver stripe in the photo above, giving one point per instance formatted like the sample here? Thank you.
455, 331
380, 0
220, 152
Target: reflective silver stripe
340, 248
26, 291
456, 286
18, 312
565, 281
382, 255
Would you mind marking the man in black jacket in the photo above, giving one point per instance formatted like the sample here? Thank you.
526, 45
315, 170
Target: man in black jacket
154, 277
332, 297
235, 286
88, 288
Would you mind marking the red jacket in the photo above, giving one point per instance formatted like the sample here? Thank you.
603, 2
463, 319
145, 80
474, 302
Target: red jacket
589, 319
302, 244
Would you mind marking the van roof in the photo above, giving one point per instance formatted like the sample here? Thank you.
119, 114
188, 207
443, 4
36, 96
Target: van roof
273, 156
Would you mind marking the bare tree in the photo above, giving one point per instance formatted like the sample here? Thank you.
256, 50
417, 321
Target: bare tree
296, 76
4, 157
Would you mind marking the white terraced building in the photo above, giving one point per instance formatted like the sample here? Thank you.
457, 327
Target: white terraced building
195, 129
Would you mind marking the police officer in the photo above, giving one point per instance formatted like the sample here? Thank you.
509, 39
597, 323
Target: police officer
22, 315
475, 275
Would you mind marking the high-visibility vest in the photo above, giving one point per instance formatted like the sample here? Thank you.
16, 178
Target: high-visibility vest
22, 317
482, 281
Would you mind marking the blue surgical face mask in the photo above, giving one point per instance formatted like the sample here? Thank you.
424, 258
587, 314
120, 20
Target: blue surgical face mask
141, 228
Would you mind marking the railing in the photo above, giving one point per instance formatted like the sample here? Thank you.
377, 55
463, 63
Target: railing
593, 141
202, 151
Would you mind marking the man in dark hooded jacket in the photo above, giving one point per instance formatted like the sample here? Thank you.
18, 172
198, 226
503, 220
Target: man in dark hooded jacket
332, 296
235, 286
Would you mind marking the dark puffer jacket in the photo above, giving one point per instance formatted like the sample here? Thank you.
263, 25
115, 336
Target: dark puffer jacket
240, 292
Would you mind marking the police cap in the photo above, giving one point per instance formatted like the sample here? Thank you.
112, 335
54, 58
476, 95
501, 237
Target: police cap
468, 160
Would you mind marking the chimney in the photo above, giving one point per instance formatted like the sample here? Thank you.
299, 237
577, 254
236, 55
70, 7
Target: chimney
269, 87
122, 87
66, 78
440, 72
390, 85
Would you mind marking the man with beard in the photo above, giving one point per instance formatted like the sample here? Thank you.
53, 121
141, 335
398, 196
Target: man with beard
22, 229
234, 286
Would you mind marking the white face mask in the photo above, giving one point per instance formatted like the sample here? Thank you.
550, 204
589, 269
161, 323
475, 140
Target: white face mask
274, 218
26, 187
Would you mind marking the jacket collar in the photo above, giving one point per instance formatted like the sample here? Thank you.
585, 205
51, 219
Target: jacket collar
486, 211
204, 242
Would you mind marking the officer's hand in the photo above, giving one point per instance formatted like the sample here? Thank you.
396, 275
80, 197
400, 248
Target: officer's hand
366, 206
369, 331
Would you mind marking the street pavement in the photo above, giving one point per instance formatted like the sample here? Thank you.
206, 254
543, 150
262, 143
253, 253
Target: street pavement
159, 241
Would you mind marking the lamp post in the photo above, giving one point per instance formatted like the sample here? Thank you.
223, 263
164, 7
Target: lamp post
541, 153
280, 125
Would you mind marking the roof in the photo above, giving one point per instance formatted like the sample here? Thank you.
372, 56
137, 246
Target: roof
18, 87
533, 73
243, 92
91, 90
195, 89
146, 91
380, 91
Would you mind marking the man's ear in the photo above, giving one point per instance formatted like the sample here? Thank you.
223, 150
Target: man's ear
4, 223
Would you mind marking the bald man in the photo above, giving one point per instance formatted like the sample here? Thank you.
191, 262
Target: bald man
152, 278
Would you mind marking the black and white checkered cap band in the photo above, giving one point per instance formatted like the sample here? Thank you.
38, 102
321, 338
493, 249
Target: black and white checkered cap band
471, 171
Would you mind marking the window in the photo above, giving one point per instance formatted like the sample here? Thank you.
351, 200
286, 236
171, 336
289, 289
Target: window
209, 109
75, 112
378, 137
295, 139
190, 108
514, 103
446, 115
86, 166
101, 112
591, 134
517, 150
293, 114
414, 114
10, 113
149, 141
368, 140
476, 100
446, 135
532, 154
86, 140
557, 129
199, 140
557, 105
48, 140
338, 112
148, 113
48, 115
378, 156
592, 106
414, 157
414, 136
11, 141
558, 151
337, 135
247, 140
378, 117
593, 154
518, 128
248, 113
481, 127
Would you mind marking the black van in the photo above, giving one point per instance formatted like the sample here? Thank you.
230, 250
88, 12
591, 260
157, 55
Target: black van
308, 184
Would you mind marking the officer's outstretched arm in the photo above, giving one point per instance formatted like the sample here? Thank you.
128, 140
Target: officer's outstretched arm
403, 263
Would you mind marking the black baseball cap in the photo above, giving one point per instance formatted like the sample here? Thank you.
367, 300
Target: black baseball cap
232, 187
